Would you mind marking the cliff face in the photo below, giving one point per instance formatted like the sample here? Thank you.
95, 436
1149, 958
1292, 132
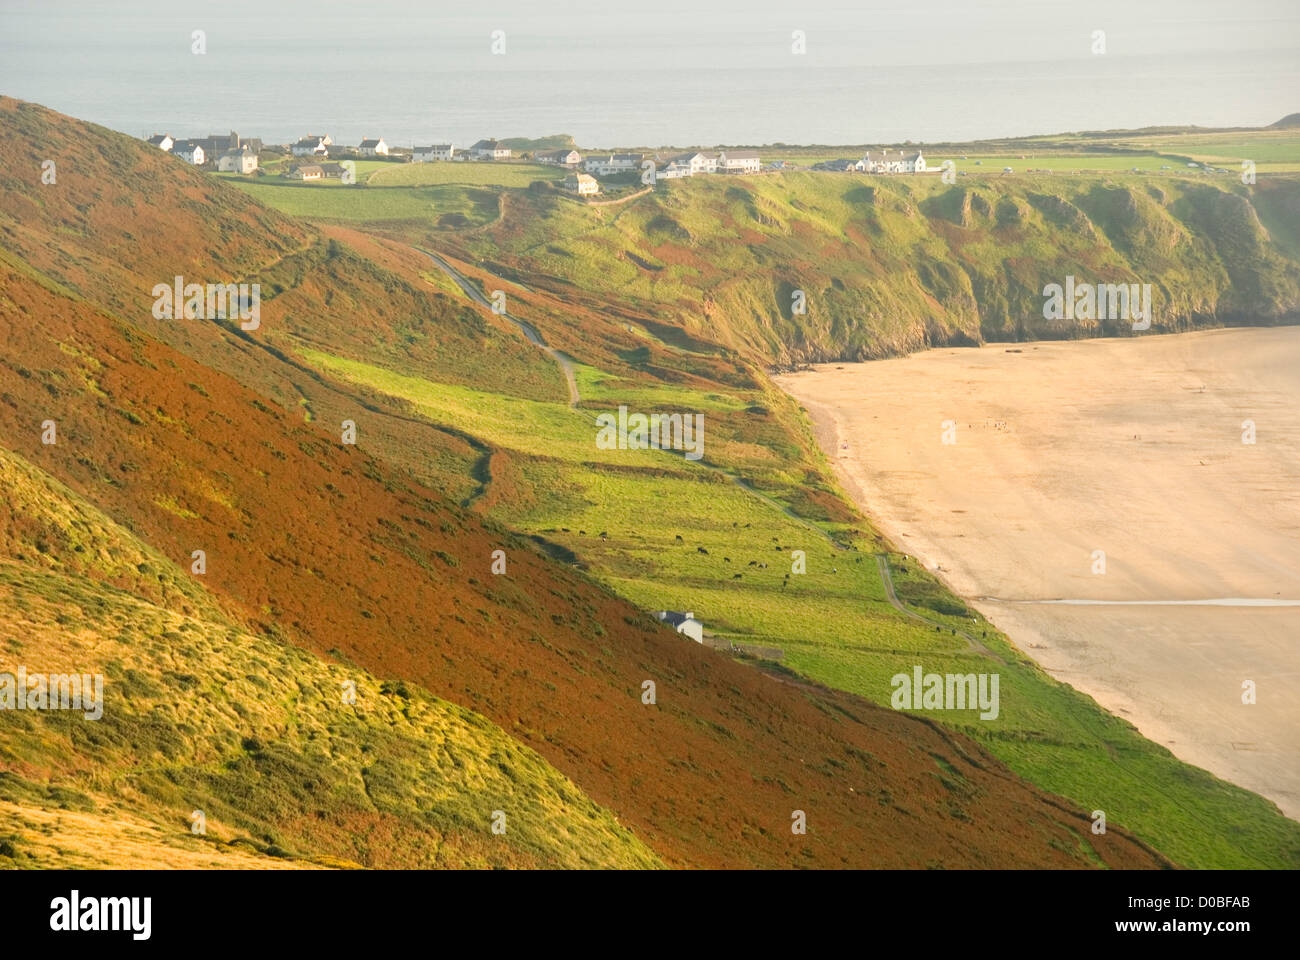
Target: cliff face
892, 264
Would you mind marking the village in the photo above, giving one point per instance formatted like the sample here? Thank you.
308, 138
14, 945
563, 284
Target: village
317, 157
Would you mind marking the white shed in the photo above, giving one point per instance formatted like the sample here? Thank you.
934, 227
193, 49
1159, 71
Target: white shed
684, 623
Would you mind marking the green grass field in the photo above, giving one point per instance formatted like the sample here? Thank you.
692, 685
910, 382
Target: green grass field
1273, 151
993, 163
441, 205
496, 174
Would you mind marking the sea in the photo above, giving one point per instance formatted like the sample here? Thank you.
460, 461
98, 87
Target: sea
653, 73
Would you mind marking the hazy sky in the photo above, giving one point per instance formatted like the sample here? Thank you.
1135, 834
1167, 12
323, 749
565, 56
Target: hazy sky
594, 66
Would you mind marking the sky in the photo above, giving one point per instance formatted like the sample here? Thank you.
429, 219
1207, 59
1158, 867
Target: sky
660, 71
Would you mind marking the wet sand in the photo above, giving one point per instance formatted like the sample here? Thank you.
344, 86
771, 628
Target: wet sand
1131, 447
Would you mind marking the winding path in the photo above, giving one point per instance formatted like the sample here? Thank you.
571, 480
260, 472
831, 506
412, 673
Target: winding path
883, 563
529, 331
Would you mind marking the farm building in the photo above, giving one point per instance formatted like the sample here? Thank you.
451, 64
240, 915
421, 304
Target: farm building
738, 161
683, 623
489, 150
610, 164
311, 146
697, 162
191, 151
891, 161
438, 151
584, 185
560, 158
672, 171
242, 160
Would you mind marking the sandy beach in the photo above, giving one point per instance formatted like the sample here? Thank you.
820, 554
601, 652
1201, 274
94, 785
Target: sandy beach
1111, 474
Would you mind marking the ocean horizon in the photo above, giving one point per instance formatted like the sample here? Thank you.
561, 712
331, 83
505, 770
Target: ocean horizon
678, 78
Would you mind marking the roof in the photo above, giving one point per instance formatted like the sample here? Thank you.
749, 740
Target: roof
486, 145
371, 143
307, 168
675, 618
310, 140
891, 155
429, 149
563, 152
158, 138
239, 152
741, 154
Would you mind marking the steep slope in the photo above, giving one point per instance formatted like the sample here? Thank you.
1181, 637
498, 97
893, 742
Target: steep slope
892, 264
198, 714
321, 545
121, 217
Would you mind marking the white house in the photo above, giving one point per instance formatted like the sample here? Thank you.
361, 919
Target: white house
684, 623
438, 151
189, 151
312, 146
891, 161
672, 171
162, 141
738, 161
584, 185
373, 148
560, 158
697, 162
489, 150
242, 160
308, 171
611, 164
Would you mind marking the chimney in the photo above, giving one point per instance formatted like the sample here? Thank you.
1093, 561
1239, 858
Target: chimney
690, 616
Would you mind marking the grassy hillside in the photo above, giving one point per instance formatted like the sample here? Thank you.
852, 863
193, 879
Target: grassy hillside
201, 714
196, 435
891, 264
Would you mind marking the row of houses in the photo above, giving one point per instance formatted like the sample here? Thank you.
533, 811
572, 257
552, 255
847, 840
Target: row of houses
682, 165
239, 155
880, 161
483, 150
318, 146
688, 164
231, 153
